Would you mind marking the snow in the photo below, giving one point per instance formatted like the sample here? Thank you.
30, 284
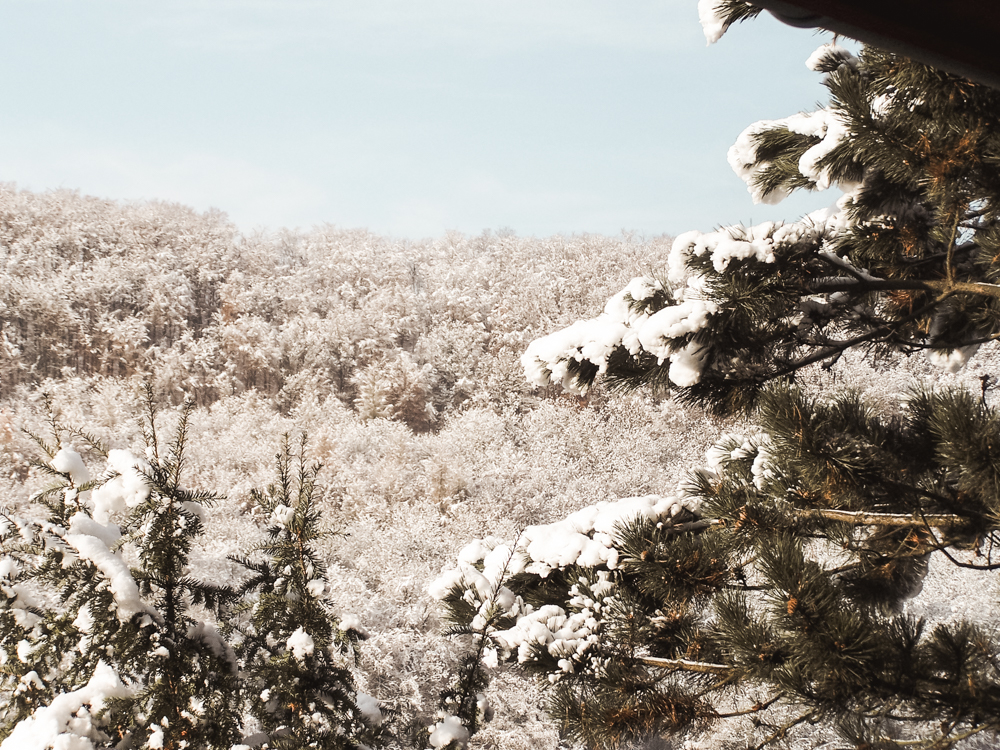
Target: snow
951, 360
50, 726
84, 621
126, 487
316, 588
351, 621
620, 307
88, 539
583, 538
713, 23
548, 359
687, 364
563, 636
369, 709
449, 729
19, 601
155, 741
301, 644
282, 516
828, 57
81, 523
208, 634
824, 124
68, 461
660, 329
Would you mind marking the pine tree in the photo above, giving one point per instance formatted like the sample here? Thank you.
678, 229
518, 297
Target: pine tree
295, 650
773, 588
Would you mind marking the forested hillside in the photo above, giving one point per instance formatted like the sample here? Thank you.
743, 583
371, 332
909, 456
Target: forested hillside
391, 327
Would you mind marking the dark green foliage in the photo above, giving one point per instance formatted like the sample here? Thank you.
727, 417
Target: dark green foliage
783, 598
296, 655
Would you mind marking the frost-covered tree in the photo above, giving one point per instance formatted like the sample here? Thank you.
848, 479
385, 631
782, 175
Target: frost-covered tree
773, 585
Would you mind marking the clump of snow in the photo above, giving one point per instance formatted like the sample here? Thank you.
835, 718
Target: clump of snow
951, 360
316, 587
68, 461
301, 644
713, 22
90, 541
828, 57
563, 636
639, 289
282, 516
583, 538
155, 741
674, 322
126, 488
208, 634
825, 124
18, 601
351, 621
65, 722
449, 729
369, 709
548, 359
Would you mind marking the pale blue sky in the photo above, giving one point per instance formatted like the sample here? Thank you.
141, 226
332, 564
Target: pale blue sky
408, 117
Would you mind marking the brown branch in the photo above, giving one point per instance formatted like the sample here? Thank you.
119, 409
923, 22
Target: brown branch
686, 665
864, 518
841, 346
892, 285
755, 708
782, 731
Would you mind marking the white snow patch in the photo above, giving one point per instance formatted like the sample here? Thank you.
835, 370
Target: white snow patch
126, 488
548, 359
282, 516
449, 729
351, 621
301, 644
713, 23
62, 724
68, 461
369, 708
94, 549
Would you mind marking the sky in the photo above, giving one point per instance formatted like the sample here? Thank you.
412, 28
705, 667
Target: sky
410, 118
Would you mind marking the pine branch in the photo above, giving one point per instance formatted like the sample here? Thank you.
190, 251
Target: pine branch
686, 665
945, 288
782, 731
865, 518
755, 708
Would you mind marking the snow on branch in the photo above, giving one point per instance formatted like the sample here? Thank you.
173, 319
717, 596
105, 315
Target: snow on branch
69, 721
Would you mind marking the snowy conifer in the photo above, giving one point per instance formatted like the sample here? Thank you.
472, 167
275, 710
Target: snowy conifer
295, 651
773, 585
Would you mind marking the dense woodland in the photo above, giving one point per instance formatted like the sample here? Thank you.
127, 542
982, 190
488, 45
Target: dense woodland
397, 359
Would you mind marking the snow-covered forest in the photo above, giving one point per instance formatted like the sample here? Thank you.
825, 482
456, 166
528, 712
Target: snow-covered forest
399, 361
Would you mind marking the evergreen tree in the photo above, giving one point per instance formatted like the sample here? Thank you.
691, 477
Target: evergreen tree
295, 650
774, 586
